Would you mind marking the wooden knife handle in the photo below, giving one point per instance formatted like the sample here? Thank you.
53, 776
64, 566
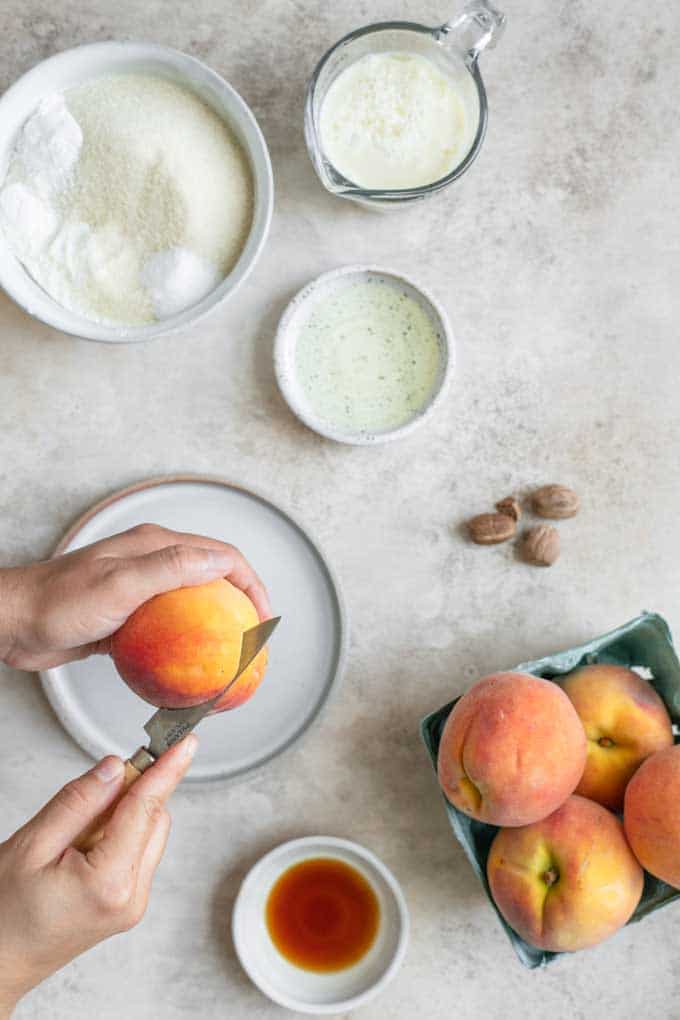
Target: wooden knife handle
93, 832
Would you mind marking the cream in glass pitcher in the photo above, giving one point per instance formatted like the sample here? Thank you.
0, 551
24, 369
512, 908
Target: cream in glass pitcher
397, 111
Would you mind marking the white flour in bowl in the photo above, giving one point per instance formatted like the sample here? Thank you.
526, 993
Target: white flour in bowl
127, 199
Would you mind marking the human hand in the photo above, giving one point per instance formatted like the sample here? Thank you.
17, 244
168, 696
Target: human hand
68, 607
57, 902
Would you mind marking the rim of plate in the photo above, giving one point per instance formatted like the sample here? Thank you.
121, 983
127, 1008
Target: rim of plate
284, 349
45, 675
303, 846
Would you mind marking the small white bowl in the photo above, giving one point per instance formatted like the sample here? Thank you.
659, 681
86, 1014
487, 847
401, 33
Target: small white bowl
303, 990
286, 340
73, 67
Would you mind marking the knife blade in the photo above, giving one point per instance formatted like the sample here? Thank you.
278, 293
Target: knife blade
168, 726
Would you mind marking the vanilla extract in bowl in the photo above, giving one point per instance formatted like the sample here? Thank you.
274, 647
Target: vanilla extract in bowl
322, 915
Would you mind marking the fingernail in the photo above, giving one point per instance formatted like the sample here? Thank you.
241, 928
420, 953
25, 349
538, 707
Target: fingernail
108, 769
189, 745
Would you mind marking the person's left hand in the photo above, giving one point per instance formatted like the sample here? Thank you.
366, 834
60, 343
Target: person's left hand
68, 607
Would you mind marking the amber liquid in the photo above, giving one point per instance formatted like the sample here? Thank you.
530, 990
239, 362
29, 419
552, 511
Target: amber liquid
322, 915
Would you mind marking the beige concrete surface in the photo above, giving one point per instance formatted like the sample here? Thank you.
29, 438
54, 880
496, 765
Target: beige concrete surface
557, 258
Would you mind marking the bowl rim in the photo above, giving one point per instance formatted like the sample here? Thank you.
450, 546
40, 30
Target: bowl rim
255, 148
302, 847
284, 343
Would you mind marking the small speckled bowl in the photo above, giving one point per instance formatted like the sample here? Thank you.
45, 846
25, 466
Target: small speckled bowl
305, 991
286, 340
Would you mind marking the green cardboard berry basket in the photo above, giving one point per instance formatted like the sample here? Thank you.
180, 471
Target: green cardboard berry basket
645, 642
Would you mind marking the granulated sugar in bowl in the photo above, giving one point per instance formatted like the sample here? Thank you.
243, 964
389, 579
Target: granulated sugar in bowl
134, 196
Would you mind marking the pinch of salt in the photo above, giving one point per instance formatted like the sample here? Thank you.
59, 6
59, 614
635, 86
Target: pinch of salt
50, 144
177, 278
28, 220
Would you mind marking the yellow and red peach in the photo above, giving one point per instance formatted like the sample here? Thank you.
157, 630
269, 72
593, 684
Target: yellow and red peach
183, 647
568, 881
625, 721
512, 750
651, 815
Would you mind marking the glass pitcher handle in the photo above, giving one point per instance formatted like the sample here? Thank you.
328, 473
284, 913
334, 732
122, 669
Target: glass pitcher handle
479, 26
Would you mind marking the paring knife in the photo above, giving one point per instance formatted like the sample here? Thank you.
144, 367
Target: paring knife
168, 726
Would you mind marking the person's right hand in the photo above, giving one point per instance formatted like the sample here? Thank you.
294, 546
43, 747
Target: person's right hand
68, 607
56, 902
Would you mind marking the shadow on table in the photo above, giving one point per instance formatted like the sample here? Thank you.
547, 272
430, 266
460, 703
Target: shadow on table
274, 407
225, 897
14, 319
397, 793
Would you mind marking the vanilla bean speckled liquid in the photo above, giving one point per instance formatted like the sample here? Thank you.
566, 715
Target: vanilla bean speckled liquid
368, 356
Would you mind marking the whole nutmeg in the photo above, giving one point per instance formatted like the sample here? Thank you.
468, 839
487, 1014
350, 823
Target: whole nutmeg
555, 502
541, 545
510, 507
490, 529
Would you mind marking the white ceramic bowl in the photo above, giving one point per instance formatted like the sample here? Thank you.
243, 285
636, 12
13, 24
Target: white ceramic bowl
302, 990
73, 67
286, 339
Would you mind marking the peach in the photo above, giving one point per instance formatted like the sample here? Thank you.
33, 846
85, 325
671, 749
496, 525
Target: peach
625, 721
183, 647
512, 750
568, 881
651, 815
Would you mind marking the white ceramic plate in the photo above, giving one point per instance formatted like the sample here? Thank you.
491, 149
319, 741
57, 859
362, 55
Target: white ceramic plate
306, 653
297, 312
303, 990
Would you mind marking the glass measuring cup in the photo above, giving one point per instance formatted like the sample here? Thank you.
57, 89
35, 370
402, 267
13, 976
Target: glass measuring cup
453, 47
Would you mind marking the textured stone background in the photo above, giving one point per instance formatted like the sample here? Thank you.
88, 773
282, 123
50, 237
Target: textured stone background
557, 258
